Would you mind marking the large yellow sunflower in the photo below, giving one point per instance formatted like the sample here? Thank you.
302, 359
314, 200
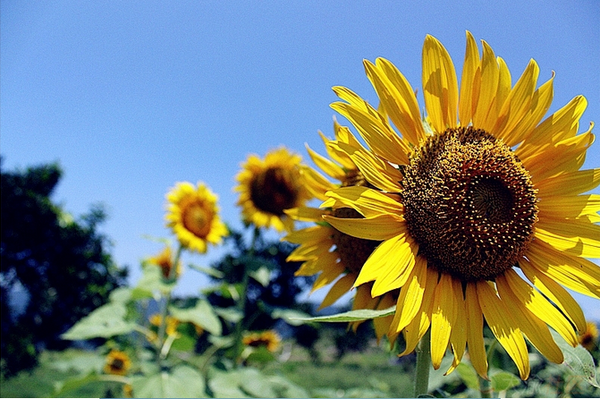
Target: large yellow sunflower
270, 186
490, 221
193, 215
336, 257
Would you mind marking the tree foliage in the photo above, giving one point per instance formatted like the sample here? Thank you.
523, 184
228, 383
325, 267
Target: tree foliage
62, 264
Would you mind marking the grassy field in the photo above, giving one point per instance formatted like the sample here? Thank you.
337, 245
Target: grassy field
372, 373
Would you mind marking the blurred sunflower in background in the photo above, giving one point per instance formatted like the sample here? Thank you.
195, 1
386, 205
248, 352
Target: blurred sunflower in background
336, 257
589, 338
193, 215
270, 186
172, 323
488, 219
268, 339
117, 363
164, 260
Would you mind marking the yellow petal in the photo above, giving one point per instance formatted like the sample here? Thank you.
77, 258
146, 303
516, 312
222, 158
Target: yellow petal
312, 235
485, 114
308, 251
411, 296
516, 106
305, 214
499, 319
326, 165
468, 91
399, 271
316, 265
556, 293
341, 287
562, 124
382, 324
440, 88
387, 256
569, 207
397, 98
443, 316
419, 325
570, 183
328, 275
474, 317
375, 170
378, 228
573, 272
366, 201
578, 237
458, 337
316, 183
529, 323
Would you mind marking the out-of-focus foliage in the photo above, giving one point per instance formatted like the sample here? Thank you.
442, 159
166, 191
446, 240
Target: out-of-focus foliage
60, 262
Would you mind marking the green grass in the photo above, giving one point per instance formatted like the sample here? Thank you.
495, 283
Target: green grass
370, 373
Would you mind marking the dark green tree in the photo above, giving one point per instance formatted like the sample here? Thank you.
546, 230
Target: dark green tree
60, 262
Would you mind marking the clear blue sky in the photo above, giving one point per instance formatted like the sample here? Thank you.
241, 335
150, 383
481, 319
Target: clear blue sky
133, 96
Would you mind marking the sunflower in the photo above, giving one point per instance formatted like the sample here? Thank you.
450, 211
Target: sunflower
192, 214
117, 363
172, 323
164, 260
490, 219
335, 256
268, 339
589, 338
268, 187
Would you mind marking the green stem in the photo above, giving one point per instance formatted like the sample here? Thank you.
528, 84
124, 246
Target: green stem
240, 326
423, 365
485, 385
164, 310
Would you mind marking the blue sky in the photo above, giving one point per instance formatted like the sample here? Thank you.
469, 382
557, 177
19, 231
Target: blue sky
131, 97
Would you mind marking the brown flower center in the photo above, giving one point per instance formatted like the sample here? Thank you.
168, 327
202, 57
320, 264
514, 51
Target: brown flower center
275, 190
197, 219
469, 203
352, 251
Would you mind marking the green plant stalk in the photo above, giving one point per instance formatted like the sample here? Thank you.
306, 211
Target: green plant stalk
485, 386
423, 365
164, 310
239, 328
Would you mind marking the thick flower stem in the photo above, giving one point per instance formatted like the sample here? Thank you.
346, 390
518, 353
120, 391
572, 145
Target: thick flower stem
423, 365
485, 388
164, 310
241, 325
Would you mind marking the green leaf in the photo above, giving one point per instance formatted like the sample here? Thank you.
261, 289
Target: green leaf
182, 382
262, 275
202, 314
121, 294
61, 388
79, 361
230, 314
353, 315
468, 374
152, 280
504, 380
578, 359
290, 316
106, 321
208, 270
225, 385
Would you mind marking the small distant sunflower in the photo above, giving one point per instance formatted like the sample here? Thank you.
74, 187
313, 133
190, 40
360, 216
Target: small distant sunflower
269, 187
589, 339
164, 260
268, 339
335, 256
172, 323
117, 363
488, 221
193, 215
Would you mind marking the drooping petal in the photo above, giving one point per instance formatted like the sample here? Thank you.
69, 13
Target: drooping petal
326, 165
443, 316
556, 293
378, 228
341, 287
305, 214
529, 323
395, 277
474, 327
411, 296
458, 337
504, 326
